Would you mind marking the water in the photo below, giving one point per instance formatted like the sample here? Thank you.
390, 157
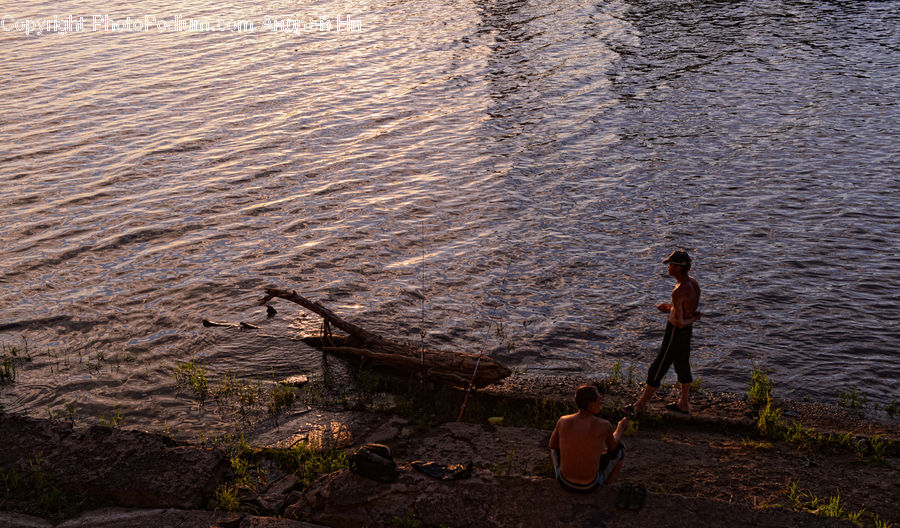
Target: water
522, 166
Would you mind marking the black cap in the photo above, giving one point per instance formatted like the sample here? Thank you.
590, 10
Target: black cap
678, 257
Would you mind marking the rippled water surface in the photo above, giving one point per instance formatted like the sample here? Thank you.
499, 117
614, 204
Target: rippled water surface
524, 163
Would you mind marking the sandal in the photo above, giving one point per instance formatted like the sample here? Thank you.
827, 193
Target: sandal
675, 408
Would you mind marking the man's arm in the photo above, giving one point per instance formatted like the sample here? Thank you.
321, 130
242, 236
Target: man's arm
612, 440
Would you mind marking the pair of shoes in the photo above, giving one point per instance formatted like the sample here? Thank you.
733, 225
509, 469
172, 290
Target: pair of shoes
624, 497
675, 408
631, 497
638, 495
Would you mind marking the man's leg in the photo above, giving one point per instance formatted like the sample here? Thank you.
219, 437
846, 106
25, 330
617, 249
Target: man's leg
681, 345
684, 403
657, 370
615, 472
611, 463
641, 404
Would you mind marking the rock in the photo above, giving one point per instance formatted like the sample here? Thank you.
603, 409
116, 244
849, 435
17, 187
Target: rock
269, 522
18, 520
387, 431
296, 380
162, 518
293, 505
111, 467
249, 498
275, 498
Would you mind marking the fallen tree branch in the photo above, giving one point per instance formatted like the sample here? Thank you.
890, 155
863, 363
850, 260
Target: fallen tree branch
455, 367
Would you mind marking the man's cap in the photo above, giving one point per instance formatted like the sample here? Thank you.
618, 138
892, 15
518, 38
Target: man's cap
678, 257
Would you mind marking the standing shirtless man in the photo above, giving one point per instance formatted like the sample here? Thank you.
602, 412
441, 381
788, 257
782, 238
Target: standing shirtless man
676, 345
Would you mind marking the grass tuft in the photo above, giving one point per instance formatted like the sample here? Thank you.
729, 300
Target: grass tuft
192, 376
826, 507
851, 400
760, 392
757, 444
37, 487
892, 407
11, 359
770, 422
226, 498
281, 398
616, 376
248, 468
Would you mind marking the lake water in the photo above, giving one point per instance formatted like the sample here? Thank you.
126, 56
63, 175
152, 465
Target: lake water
503, 174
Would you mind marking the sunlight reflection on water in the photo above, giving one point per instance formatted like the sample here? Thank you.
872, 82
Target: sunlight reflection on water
541, 156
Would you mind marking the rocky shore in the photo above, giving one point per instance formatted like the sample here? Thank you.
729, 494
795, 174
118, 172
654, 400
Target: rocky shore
713, 468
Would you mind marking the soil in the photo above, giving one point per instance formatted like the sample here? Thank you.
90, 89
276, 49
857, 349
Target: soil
708, 469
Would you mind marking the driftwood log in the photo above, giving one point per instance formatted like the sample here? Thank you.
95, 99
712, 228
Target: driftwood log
453, 367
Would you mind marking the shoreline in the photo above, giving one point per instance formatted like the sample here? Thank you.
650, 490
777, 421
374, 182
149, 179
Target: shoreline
731, 471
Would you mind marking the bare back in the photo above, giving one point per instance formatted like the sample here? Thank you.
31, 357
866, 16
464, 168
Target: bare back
685, 300
581, 439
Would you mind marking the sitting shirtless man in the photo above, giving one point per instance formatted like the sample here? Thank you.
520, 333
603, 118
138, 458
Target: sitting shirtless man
578, 442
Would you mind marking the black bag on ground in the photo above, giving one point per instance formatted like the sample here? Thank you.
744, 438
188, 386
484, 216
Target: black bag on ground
374, 461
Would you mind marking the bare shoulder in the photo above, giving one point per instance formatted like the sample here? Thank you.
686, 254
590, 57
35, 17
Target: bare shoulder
603, 426
687, 289
565, 419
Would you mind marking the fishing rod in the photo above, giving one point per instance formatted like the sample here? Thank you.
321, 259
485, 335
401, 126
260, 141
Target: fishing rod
474, 372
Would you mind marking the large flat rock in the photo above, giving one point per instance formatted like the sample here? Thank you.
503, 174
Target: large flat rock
111, 467
159, 518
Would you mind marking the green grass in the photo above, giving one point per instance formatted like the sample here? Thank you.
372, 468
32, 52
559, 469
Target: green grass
240, 398
615, 375
761, 445
761, 389
871, 450
192, 376
11, 359
826, 507
892, 407
697, 384
115, 419
618, 377
770, 422
248, 468
37, 488
306, 462
246, 402
876, 449
281, 398
226, 498
302, 460
851, 400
